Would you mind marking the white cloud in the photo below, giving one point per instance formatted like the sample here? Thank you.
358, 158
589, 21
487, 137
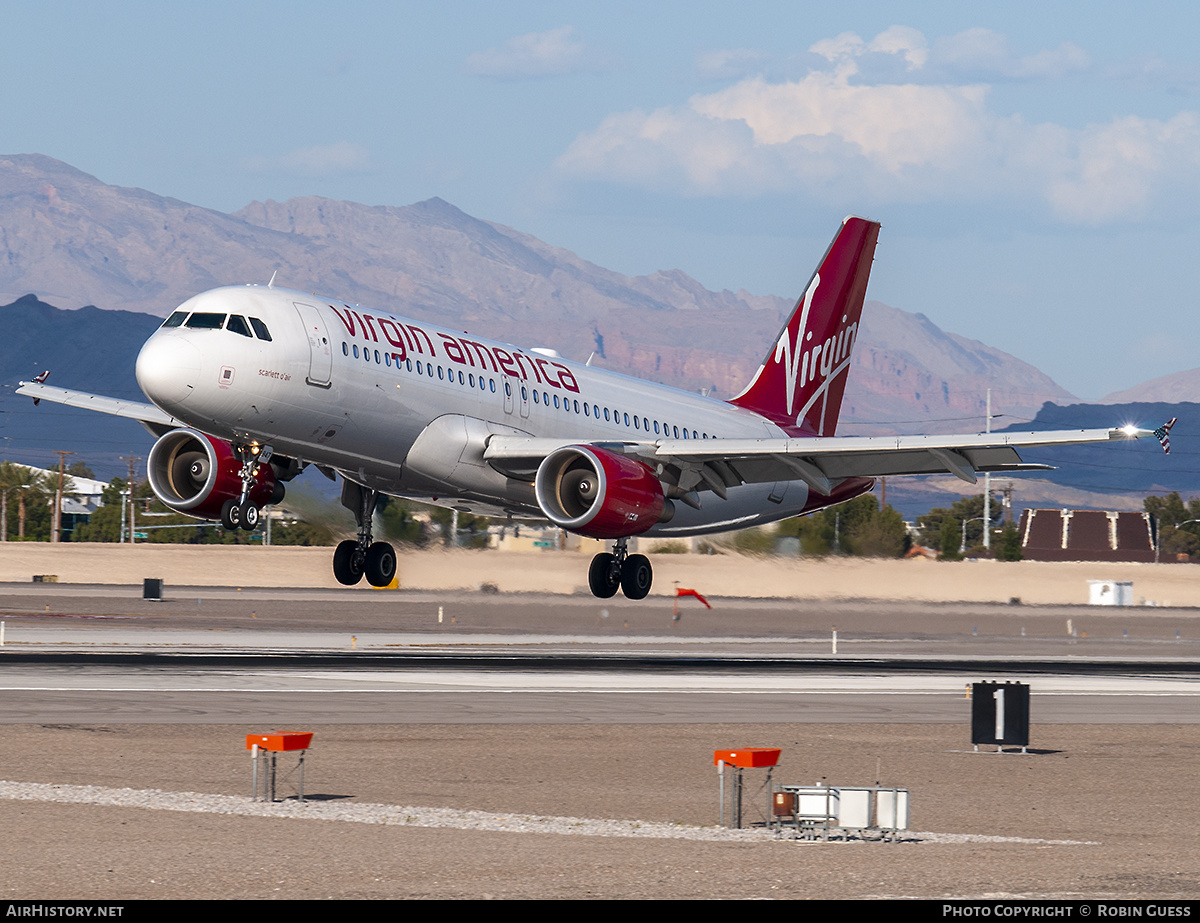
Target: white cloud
905, 41
846, 45
536, 54
899, 140
895, 126
1125, 167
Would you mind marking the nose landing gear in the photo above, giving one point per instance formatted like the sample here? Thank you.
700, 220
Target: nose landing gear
631, 573
355, 558
242, 513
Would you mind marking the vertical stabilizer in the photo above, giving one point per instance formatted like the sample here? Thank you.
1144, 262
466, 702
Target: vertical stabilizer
801, 381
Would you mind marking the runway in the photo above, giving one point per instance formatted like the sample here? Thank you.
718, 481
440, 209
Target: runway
599, 716
220, 655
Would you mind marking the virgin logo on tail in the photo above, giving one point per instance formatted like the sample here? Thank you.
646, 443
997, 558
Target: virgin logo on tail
814, 348
788, 351
827, 358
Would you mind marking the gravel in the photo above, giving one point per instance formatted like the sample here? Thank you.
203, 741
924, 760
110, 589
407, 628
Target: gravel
414, 816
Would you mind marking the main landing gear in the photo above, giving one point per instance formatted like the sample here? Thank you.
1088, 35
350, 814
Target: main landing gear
242, 513
355, 558
631, 573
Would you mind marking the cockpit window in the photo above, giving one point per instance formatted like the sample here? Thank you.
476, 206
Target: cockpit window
175, 319
237, 324
261, 329
202, 321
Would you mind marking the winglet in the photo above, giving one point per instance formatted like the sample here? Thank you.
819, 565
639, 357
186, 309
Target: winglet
803, 376
1163, 435
41, 378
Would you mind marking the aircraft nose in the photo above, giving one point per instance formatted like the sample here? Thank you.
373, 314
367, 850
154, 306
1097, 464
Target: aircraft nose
168, 368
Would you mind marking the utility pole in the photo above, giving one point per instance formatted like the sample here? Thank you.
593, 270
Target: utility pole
56, 519
133, 460
987, 486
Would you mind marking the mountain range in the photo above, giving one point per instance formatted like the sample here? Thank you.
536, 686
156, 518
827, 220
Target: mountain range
75, 242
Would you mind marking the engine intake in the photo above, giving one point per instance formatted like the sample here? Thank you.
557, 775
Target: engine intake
195, 474
600, 494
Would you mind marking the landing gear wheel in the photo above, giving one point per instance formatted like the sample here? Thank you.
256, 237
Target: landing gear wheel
348, 563
249, 516
231, 515
380, 565
636, 576
603, 576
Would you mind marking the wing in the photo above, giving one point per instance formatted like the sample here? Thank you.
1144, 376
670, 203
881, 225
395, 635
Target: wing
821, 462
148, 415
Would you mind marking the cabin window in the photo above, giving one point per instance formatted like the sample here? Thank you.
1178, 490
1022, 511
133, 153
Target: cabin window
202, 321
492, 385
355, 348
605, 414
345, 349
260, 329
175, 319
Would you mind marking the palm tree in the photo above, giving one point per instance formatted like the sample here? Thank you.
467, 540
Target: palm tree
35, 486
12, 477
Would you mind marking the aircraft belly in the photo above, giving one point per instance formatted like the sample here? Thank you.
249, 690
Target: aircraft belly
446, 460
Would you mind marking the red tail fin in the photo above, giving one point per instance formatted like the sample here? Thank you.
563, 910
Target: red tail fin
801, 380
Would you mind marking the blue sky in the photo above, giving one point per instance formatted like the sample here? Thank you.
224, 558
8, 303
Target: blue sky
1036, 167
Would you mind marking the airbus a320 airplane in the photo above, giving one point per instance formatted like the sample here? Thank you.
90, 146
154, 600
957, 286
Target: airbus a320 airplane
251, 384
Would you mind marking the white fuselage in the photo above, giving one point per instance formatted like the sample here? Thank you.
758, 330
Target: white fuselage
406, 408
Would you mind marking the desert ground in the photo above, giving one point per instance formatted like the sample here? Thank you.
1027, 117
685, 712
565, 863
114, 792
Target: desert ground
1093, 811
733, 575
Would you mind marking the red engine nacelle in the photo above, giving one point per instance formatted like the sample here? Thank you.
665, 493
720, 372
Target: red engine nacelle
195, 474
600, 494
